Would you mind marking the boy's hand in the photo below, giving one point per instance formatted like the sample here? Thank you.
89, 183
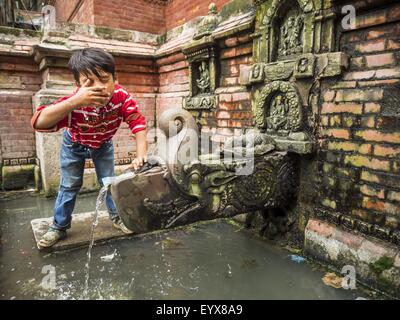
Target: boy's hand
88, 95
139, 162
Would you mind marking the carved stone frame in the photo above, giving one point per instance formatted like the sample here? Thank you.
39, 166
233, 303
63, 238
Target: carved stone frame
197, 52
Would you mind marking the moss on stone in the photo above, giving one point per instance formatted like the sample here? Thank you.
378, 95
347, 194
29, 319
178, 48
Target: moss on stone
234, 7
11, 31
161, 39
112, 34
17, 177
382, 264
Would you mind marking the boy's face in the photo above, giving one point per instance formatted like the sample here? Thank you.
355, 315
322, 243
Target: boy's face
105, 80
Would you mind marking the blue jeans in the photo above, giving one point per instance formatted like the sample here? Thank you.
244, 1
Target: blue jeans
72, 163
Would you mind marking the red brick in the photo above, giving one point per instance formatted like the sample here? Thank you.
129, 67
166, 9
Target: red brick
336, 133
386, 151
329, 95
359, 75
231, 42
382, 206
341, 107
388, 73
380, 60
368, 95
394, 196
350, 147
377, 83
373, 192
393, 44
371, 46
240, 96
368, 122
367, 162
371, 107
373, 135
371, 19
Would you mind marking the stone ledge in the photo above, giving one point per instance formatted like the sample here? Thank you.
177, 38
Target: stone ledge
79, 234
18, 177
330, 244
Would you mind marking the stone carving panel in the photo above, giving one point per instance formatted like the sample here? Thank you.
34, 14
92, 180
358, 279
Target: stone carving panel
290, 34
278, 108
201, 55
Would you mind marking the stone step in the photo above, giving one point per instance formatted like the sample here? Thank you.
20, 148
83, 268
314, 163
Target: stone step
79, 235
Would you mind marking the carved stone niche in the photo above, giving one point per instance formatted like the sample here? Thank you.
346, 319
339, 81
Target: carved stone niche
293, 48
203, 69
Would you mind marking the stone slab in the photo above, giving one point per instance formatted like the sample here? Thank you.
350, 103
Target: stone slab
300, 147
79, 234
338, 247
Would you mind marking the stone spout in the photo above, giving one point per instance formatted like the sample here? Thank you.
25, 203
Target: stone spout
181, 187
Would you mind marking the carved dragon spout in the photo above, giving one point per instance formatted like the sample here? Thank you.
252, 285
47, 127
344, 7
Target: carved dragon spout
248, 174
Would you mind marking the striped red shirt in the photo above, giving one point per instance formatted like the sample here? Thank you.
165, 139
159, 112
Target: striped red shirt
91, 126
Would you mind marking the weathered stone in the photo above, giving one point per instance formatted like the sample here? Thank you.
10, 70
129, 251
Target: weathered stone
299, 136
330, 244
17, 177
79, 235
299, 147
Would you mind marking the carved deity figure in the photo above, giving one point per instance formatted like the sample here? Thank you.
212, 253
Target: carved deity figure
290, 35
278, 115
303, 65
204, 81
256, 71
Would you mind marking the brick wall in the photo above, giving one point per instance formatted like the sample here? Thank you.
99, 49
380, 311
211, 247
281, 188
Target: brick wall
65, 9
125, 14
19, 80
234, 110
355, 171
174, 82
179, 12
358, 165
140, 78
138, 15
135, 15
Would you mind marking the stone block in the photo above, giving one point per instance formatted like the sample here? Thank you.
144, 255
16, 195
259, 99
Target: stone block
17, 177
376, 263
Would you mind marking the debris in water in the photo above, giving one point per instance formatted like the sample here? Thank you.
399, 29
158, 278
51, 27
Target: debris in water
110, 257
293, 250
249, 264
229, 273
333, 280
296, 258
169, 243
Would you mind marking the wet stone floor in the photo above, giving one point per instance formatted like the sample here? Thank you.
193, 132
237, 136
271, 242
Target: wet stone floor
214, 260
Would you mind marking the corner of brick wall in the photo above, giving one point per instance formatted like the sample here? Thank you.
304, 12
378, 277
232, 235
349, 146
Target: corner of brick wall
357, 169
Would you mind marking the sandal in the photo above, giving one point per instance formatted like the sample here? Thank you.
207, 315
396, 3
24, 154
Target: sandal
51, 237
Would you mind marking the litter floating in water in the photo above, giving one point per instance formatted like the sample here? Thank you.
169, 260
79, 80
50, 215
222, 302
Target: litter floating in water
110, 257
333, 280
296, 258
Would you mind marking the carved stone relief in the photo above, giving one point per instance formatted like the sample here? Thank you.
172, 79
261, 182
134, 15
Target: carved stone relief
288, 61
278, 108
201, 55
290, 37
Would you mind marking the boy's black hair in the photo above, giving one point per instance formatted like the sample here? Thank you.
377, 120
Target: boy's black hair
91, 60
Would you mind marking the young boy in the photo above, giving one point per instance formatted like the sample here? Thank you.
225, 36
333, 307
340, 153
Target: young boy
91, 116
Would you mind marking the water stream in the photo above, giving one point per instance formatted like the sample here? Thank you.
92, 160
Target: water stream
99, 202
